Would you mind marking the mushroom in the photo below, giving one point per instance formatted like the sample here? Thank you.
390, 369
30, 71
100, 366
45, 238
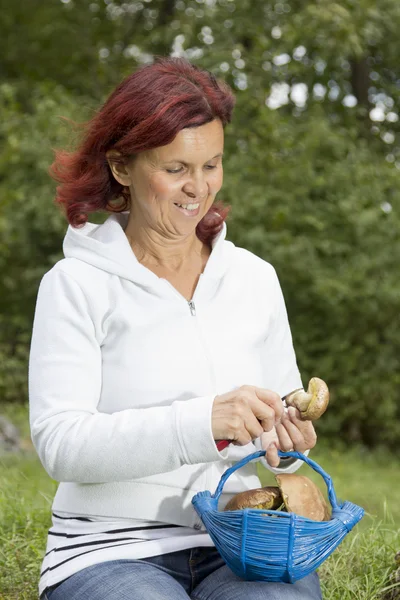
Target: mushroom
301, 496
298, 493
311, 403
267, 498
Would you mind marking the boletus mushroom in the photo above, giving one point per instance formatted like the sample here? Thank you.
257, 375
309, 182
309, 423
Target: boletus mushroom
297, 493
267, 498
301, 496
311, 403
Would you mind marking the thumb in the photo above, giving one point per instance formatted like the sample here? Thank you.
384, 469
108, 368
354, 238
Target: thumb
271, 455
268, 437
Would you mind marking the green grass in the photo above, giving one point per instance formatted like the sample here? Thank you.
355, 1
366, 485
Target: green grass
26, 494
358, 570
360, 567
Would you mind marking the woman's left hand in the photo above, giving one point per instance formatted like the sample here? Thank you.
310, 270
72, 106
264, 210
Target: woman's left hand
290, 434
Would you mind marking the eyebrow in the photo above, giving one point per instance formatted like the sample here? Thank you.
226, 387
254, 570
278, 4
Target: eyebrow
186, 164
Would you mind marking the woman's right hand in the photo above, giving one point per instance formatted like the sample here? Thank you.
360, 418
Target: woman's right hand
245, 413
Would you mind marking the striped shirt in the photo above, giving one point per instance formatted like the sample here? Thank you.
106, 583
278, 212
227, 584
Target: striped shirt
75, 543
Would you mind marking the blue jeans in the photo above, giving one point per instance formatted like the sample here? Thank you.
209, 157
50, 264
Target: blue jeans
198, 573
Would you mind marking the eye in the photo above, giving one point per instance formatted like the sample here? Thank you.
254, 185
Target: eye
174, 170
210, 167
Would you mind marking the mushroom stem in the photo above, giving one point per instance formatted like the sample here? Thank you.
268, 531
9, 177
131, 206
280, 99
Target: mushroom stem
300, 399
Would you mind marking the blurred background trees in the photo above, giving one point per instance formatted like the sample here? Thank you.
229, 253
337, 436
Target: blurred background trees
312, 166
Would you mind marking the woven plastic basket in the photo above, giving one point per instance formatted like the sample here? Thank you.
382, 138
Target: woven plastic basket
272, 545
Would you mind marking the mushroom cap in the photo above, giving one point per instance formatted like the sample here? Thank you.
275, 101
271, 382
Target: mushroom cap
267, 498
319, 398
303, 497
313, 403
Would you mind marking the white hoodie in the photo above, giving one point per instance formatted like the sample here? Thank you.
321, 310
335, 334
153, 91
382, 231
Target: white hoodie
124, 371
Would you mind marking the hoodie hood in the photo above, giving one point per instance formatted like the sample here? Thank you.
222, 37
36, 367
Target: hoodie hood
106, 247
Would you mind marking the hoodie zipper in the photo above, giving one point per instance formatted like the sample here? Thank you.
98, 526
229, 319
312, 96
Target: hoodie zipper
192, 308
209, 468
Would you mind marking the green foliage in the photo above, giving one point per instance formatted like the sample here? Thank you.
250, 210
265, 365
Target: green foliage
31, 228
313, 184
313, 201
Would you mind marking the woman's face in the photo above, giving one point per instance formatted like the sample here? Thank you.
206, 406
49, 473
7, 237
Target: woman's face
173, 186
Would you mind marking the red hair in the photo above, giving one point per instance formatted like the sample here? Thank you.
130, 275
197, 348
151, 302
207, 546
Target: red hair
146, 110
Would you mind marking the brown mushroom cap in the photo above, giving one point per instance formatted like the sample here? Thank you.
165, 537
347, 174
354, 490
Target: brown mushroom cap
267, 498
303, 497
313, 403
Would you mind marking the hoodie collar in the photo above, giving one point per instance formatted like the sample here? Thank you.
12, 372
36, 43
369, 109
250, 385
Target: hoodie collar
106, 247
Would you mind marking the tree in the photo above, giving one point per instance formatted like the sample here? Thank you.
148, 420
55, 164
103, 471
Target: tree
312, 165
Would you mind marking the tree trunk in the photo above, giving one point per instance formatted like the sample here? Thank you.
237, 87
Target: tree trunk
360, 80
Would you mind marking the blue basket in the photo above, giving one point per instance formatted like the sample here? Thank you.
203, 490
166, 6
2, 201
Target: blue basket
272, 545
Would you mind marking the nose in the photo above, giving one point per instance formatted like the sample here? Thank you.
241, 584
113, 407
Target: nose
196, 187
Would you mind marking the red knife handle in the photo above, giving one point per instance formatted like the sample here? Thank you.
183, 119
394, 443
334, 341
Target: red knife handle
222, 444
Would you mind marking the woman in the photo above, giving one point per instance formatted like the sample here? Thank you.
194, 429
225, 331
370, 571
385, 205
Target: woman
153, 339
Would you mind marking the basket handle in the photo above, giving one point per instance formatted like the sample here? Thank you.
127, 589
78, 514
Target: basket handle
293, 454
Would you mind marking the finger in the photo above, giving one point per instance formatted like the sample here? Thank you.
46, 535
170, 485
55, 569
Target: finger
264, 414
294, 416
252, 425
241, 437
284, 440
268, 437
290, 433
306, 428
271, 399
244, 427
271, 455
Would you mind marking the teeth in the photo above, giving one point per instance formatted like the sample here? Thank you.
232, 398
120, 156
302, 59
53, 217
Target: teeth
189, 206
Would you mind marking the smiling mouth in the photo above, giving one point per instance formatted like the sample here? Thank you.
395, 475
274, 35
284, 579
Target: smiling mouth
191, 206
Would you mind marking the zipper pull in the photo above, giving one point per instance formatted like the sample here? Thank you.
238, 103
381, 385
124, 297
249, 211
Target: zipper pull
192, 308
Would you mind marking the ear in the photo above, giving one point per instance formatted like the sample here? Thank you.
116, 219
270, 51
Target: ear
118, 166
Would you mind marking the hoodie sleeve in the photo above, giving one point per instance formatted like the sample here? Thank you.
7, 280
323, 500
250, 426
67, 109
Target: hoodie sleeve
75, 441
280, 365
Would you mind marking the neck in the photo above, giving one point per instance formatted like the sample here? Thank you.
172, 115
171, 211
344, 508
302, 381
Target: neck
169, 253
